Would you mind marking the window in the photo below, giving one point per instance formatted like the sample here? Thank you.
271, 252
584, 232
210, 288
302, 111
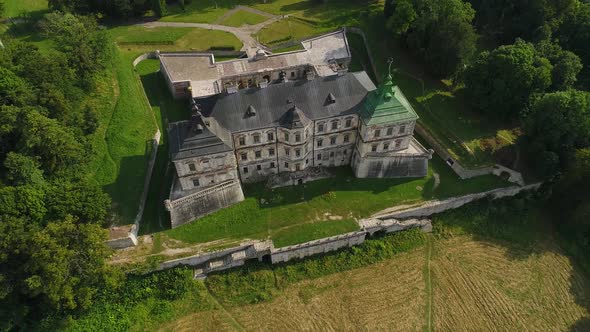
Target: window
374, 148
195, 182
259, 167
333, 140
320, 142
321, 127
286, 165
298, 137
292, 74
270, 136
377, 132
402, 129
271, 152
192, 167
244, 156
297, 167
348, 123
245, 169
286, 136
346, 138
390, 131
334, 125
256, 139
287, 151
242, 140
385, 146
398, 143
258, 154
332, 154
345, 152
272, 165
306, 161
319, 156
297, 152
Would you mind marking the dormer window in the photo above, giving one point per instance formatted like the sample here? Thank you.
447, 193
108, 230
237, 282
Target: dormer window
242, 140
331, 99
256, 139
402, 129
348, 123
192, 167
389, 131
251, 111
320, 127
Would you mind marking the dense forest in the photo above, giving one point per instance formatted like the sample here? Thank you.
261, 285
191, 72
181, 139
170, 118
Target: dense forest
524, 62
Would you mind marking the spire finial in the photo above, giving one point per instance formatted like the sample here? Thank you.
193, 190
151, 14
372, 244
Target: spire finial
389, 62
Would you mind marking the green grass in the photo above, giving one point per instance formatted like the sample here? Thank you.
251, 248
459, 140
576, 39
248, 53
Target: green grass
166, 110
343, 195
286, 30
15, 8
205, 11
242, 17
122, 169
142, 39
313, 231
141, 35
296, 47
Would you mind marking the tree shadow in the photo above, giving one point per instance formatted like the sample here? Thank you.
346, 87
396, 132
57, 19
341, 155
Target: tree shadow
126, 189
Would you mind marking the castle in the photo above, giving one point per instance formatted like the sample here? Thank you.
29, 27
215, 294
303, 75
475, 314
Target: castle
282, 118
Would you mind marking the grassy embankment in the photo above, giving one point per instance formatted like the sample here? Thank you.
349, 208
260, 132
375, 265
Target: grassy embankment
494, 265
242, 17
15, 8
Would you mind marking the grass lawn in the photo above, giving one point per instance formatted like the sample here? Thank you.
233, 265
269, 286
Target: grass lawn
14, 8
242, 17
122, 169
342, 196
198, 11
142, 39
307, 232
286, 30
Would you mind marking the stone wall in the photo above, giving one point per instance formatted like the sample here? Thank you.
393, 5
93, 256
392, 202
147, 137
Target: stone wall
317, 247
204, 202
394, 220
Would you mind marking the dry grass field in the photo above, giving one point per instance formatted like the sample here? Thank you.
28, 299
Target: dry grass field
460, 284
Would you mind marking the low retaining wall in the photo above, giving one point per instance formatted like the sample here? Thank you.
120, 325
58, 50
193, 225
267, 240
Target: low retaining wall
437, 206
317, 246
392, 221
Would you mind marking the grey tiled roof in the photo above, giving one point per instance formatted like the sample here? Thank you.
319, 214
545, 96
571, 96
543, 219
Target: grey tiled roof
188, 143
272, 103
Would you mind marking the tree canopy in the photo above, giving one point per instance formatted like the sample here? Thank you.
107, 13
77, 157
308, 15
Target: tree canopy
501, 82
439, 31
558, 125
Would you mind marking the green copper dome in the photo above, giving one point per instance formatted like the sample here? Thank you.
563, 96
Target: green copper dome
387, 104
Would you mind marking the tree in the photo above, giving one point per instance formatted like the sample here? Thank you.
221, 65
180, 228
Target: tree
532, 20
574, 35
439, 31
83, 200
13, 89
501, 82
85, 44
160, 8
2, 8
56, 146
23, 170
566, 65
559, 123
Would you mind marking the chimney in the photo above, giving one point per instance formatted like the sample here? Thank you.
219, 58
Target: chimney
310, 74
263, 84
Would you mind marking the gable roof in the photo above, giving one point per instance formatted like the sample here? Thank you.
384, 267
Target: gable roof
271, 103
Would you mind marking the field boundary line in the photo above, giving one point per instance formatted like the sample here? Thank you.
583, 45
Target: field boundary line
233, 321
428, 284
